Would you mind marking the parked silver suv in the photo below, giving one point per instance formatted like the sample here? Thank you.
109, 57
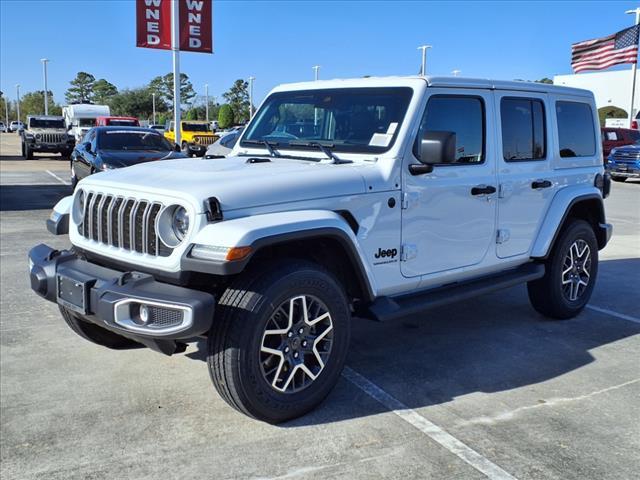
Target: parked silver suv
46, 134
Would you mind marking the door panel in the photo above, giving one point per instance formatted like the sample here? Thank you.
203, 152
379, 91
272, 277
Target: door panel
524, 173
444, 225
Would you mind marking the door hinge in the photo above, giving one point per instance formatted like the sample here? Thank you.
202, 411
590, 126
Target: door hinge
502, 236
504, 190
410, 199
408, 251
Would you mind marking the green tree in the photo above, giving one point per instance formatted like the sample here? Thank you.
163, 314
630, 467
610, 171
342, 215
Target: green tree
162, 86
32, 103
136, 102
81, 89
225, 116
238, 98
103, 91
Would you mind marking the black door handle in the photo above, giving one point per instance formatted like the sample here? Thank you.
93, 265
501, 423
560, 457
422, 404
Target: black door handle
483, 190
540, 184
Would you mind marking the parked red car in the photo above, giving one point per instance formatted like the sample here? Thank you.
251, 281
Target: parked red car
617, 137
117, 122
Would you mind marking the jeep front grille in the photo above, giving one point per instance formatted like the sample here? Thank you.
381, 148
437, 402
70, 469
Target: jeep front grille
123, 222
51, 137
204, 139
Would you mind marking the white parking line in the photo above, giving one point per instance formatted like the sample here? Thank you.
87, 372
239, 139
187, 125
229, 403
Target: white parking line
437, 434
57, 177
621, 316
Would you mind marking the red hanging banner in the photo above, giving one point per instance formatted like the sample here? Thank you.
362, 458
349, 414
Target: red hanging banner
196, 30
153, 24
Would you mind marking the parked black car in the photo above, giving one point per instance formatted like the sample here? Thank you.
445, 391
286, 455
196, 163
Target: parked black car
105, 148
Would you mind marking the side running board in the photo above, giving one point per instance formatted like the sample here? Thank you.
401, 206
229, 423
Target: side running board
391, 308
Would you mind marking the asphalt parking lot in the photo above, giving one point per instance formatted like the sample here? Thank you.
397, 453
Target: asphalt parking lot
483, 388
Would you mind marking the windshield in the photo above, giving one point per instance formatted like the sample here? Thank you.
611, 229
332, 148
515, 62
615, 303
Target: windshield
132, 140
195, 127
348, 119
86, 122
46, 123
122, 123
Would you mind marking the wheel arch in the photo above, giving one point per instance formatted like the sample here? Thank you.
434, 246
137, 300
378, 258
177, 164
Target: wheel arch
588, 206
322, 236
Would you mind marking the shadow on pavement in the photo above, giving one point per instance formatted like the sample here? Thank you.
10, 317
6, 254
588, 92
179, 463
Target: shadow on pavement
489, 344
31, 197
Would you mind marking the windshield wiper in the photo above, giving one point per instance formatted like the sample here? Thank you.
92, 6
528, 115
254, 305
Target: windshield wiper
326, 149
266, 143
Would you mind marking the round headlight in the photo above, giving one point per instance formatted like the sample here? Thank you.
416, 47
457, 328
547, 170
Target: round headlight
172, 225
78, 207
180, 222
38, 136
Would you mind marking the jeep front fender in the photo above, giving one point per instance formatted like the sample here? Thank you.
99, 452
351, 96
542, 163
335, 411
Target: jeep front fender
259, 231
558, 211
58, 221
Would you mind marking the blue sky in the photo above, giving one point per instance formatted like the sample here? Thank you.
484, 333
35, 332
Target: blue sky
279, 42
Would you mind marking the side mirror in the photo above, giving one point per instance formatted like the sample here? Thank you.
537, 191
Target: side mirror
87, 147
436, 147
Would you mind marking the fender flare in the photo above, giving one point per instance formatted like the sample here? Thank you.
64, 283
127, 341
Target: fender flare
58, 221
260, 231
558, 212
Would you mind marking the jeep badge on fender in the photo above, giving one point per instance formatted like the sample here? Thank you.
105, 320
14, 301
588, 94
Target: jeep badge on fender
267, 252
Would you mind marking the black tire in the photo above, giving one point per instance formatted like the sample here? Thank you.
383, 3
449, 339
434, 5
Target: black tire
22, 152
618, 179
28, 153
65, 154
96, 334
236, 339
548, 295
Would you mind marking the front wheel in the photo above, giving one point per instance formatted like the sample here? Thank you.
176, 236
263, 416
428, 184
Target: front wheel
570, 275
279, 340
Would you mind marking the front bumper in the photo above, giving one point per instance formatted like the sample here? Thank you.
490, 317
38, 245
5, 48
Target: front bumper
627, 170
196, 148
113, 299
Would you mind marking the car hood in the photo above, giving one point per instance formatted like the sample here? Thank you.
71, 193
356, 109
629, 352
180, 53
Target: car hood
236, 182
123, 158
635, 149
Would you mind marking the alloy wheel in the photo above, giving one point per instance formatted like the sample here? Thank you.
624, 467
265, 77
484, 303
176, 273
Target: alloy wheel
296, 344
576, 270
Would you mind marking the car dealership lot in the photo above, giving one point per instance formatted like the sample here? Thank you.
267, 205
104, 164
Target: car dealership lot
486, 385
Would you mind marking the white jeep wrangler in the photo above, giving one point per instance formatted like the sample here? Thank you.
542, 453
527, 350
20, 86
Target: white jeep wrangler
370, 197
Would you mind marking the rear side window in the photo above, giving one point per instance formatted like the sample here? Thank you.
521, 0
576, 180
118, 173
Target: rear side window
575, 129
523, 129
461, 115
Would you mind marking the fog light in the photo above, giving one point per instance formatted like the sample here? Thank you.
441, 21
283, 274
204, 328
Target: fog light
144, 314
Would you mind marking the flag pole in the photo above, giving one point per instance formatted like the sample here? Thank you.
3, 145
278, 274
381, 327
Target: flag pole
634, 69
175, 49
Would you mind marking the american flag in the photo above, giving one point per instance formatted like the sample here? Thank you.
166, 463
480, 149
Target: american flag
601, 53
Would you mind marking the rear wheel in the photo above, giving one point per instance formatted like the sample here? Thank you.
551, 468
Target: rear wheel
279, 340
570, 275
96, 334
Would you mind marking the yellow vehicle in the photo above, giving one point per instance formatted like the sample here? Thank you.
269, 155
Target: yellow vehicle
195, 137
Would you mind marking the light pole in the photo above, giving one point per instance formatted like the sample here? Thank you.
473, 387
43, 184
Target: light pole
46, 91
455, 73
316, 68
636, 12
153, 102
18, 100
423, 68
206, 99
6, 112
251, 79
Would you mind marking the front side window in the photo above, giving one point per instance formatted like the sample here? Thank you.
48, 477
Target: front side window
460, 115
523, 132
575, 129
132, 140
359, 120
